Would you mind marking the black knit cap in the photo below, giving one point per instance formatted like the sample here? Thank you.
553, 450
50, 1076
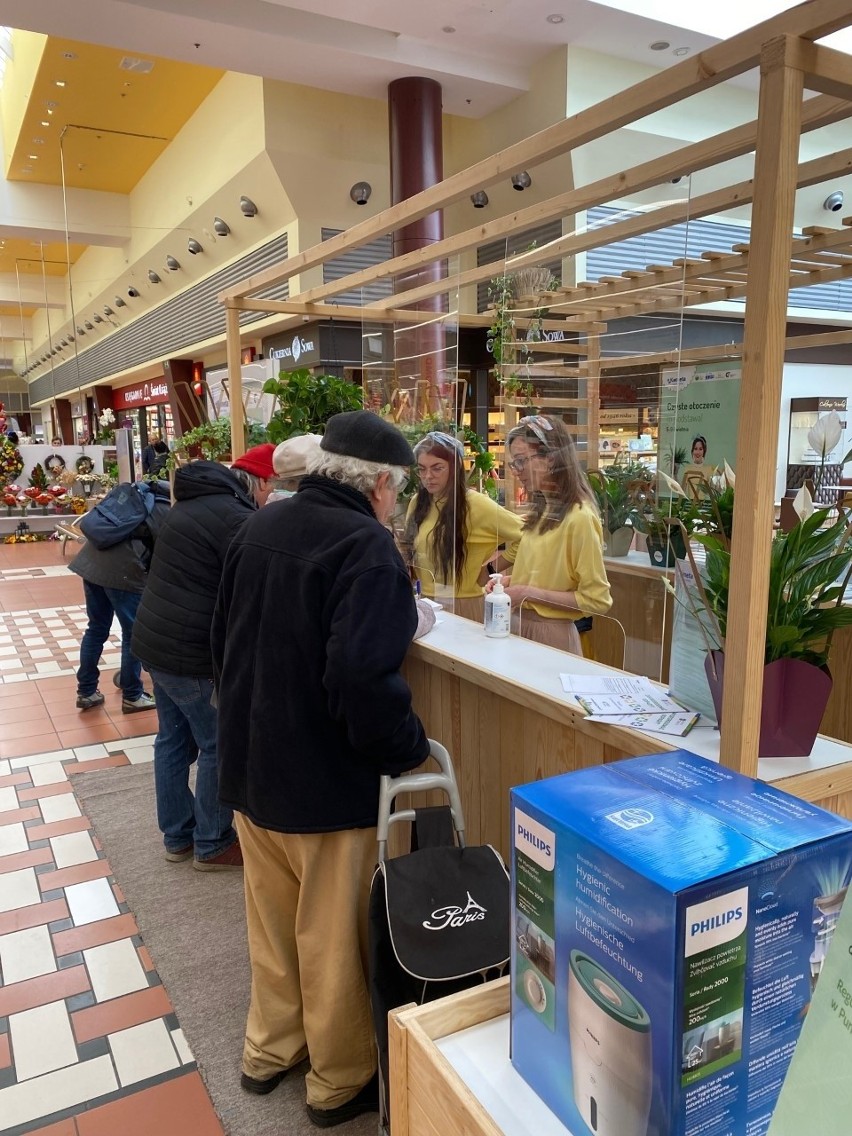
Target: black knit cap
363, 434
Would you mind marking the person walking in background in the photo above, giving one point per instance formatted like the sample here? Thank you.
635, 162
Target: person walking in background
559, 572
314, 617
113, 581
172, 637
154, 454
453, 530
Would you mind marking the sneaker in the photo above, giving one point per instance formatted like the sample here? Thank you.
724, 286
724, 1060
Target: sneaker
367, 1100
228, 861
260, 1087
137, 705
179, 854
88, 701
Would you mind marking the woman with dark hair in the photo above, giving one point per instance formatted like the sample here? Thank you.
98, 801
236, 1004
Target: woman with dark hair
699, 449
559, 573
454, 530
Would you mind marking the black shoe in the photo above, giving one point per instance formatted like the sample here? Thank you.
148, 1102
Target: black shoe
262, 1087
367, 1100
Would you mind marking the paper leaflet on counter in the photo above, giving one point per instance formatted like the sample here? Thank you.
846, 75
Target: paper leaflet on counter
678, 723
625, 700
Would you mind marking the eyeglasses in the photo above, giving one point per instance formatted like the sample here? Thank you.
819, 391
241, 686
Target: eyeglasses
518, 465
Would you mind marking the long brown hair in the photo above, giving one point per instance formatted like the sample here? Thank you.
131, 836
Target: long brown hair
548, 436
448, 539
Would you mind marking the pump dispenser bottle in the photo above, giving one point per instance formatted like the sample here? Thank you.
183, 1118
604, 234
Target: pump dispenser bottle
498, 607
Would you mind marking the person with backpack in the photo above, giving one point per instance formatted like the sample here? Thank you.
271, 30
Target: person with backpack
113, 563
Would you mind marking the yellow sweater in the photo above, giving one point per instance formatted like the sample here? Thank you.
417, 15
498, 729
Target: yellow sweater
568, 558
488, 525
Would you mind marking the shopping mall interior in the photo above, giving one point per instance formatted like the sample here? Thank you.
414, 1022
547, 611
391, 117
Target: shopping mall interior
594, 205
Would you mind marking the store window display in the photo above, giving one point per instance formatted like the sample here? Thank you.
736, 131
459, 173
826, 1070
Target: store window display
558, 575
455, 531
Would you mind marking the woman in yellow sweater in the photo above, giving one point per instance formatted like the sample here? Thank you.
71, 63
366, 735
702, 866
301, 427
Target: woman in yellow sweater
559, 573
454, 530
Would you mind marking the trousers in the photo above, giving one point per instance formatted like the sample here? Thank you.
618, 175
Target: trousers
306, 914
101, 605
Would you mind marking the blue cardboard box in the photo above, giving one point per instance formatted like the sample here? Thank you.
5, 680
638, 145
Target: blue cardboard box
670, 921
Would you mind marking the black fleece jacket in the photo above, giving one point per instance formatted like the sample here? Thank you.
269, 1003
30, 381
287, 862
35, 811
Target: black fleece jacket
315, 615
172, 628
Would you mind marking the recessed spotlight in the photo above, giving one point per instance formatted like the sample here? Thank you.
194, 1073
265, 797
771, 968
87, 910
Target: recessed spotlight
556, 18
49, 111
33, 157
448, 28
60, 82
45, 124
38, 141
659, 45
681, 51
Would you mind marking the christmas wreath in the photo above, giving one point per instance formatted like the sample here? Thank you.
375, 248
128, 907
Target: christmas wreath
84, 464
54, 464
11, 462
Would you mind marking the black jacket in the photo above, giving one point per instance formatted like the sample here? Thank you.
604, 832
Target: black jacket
314, 618
172, 628
152, 454
125, 565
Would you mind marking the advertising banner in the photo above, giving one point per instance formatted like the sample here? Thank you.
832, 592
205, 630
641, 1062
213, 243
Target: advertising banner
699, 412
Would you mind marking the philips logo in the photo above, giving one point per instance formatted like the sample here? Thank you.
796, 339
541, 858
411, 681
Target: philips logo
535, 841
715, 922
630, 818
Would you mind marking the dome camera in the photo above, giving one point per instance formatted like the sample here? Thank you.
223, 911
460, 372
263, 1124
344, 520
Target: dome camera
132, 293
834, 202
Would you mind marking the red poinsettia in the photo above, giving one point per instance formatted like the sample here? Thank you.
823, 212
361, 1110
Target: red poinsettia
10, 500
44, 499
32, 492
57, 490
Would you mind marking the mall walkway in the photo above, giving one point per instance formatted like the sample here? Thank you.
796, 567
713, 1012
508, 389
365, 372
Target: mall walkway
89, 1042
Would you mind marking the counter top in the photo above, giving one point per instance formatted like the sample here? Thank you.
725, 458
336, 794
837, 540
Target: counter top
530, 671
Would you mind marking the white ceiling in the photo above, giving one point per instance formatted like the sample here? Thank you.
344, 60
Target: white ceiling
484, 62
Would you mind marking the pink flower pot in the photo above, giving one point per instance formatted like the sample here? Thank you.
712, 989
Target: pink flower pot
795, 695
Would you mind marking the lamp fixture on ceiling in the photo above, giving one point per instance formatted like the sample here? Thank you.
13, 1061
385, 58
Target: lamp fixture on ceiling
248, 207
659, 45
108, 311
521, 181
153, 276
360, 192
80, 331
194, 247
98, 318
221, 228
479, 199
120, 302
70, 337
172, 264
89, 326
834, 202
555, 18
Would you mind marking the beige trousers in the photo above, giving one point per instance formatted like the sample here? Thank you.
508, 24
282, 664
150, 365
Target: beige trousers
306, 913
559, 633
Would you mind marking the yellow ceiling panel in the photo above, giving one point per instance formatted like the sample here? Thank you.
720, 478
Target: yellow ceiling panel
14, 312
115, 113
26, 257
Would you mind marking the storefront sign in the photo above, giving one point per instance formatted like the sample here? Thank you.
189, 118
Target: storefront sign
290, 351
145, 394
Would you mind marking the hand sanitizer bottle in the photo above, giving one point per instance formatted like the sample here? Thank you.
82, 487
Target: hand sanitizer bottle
498, 607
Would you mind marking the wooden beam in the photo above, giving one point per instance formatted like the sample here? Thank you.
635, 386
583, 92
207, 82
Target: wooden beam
235, 381
780, 104
811, 21
825, 70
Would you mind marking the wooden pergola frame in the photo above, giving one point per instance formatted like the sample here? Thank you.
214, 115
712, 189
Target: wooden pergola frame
790, 62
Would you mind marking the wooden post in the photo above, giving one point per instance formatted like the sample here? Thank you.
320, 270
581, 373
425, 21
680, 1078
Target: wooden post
235, 382
779, 119
591, 370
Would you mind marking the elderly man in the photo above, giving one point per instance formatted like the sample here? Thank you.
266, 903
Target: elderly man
314, 617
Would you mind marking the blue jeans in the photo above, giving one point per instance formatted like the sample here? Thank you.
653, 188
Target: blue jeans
187, 732
101, 605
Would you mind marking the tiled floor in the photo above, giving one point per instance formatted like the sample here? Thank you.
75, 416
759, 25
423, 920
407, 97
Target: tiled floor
89, 1042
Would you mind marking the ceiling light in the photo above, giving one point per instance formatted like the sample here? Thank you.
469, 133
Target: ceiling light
69, 54
172, 264
681, 51
80, 331
479, 199
120, 302
556, 18
448, 28
360, 192
834, 202
108, 311
521, 181
659, 45
132, 293
38, 141
70, 337
46, 124
89, 326
248, 207
33, 157
60, 82
98, 318
49, 110
153, 276
221, 228
194, 247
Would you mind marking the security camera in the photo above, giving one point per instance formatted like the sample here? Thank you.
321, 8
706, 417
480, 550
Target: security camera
677, 179
360, 192
132, 293
834, 202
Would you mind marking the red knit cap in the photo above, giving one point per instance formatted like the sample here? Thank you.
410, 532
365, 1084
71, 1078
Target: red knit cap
257, 460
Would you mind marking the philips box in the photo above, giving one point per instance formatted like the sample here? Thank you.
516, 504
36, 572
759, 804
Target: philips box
670, 922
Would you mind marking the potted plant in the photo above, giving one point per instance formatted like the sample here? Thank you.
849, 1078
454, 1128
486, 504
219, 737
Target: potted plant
809, 569
619, 491
307, 401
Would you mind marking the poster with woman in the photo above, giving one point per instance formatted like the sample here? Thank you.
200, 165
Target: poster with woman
699, 411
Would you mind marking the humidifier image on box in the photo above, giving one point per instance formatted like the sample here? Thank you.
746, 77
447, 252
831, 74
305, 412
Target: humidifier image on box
825, 916
610, 1035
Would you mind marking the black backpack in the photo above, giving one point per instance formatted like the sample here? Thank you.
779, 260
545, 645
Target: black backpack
119, 515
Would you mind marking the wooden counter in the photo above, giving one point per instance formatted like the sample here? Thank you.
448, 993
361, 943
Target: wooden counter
499, 707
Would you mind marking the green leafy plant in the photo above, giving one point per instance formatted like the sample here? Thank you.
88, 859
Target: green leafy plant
307, 401
210, 440
38, 478
620, 492
808, 571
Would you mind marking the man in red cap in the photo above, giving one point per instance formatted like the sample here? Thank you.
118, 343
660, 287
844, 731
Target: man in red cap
256, 471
